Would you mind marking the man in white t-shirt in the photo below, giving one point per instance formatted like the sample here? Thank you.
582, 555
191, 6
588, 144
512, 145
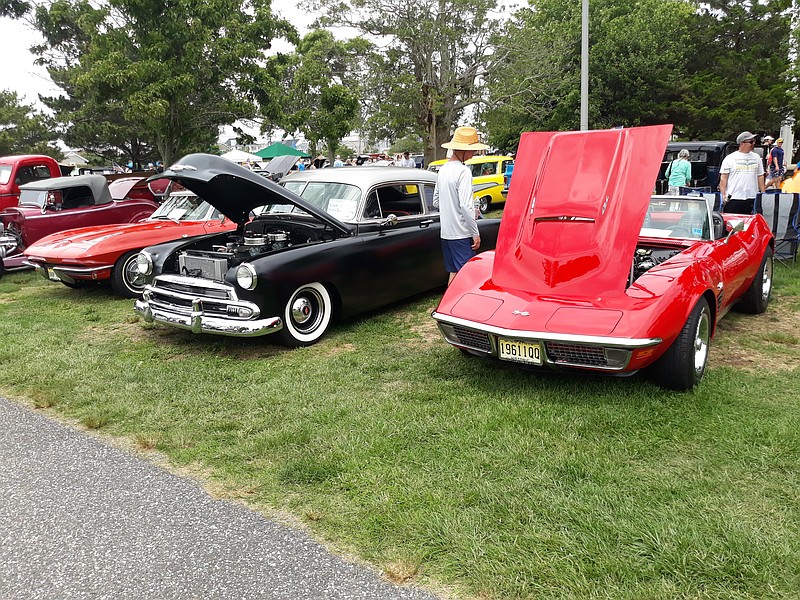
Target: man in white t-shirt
741, 176
406, 161
453, 195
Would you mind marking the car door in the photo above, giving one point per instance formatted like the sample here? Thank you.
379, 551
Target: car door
733, 258
403, 257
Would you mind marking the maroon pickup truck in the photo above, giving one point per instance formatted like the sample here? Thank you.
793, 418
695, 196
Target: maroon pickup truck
18, 170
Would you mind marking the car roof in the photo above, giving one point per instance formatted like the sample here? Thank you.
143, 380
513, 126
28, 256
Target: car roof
96, 182
488, 158
363, 176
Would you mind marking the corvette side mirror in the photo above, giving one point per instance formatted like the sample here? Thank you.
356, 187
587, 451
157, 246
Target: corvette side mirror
736, 227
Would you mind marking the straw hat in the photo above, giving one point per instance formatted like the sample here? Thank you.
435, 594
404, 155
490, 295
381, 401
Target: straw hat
465, 138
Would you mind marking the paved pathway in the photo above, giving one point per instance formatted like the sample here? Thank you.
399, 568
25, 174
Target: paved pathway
82, 519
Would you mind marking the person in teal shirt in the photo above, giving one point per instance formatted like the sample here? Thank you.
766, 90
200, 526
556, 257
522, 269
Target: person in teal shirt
679, 172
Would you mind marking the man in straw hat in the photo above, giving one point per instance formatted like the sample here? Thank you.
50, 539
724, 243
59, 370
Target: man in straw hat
453, 196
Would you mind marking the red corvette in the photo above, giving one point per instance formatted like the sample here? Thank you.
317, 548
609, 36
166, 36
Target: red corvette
592, 273
59, 203
79, 257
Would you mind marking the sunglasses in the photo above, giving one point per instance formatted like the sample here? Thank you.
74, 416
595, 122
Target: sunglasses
749, 142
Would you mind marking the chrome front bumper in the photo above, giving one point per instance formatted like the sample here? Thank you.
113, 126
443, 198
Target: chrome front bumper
197, 323
597, 353
66, 272
178, 301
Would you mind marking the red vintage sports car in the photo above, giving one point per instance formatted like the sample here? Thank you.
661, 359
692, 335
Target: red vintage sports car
591, 273
78, 257
61, 203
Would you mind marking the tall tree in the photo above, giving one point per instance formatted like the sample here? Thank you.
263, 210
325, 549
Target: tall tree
638, 57
24, 130
436, 52
739, 77
321, 82
143, 74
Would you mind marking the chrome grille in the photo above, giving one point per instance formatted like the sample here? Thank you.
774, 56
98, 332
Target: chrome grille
472, 338
191, 289
576, 354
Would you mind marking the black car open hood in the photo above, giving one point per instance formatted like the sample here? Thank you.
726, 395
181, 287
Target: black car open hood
235, 190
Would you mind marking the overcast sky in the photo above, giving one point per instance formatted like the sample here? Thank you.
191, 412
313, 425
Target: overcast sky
22, 76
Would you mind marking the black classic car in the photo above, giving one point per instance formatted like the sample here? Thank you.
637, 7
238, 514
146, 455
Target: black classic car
325, 244
705, 159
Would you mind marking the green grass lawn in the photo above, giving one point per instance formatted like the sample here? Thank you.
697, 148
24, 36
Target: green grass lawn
460, 474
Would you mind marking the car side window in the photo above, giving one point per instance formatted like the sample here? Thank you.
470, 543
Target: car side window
30, 173
401, 200
77, 197
427, 195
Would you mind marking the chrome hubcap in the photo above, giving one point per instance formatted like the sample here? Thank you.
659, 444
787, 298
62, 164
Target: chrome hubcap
301, 310
133, 277
701, 337
766, 280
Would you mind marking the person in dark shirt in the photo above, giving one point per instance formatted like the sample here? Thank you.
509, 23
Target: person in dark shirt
776, 165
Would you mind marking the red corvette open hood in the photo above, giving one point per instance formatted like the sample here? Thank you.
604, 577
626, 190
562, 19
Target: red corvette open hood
575, 208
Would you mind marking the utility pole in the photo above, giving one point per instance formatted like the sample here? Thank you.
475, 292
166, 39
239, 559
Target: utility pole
584, 65
787, 127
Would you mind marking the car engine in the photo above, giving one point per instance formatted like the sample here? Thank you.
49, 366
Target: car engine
260, 237
645, 259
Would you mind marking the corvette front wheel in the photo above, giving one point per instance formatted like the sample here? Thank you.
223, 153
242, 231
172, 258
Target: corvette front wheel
683, 365
126, 280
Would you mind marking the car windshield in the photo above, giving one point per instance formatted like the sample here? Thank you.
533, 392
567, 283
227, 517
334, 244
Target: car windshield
340, 200
686, 217
33, 197
5, 174
184, 207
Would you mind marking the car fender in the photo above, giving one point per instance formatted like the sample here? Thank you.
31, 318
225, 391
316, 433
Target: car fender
281, 272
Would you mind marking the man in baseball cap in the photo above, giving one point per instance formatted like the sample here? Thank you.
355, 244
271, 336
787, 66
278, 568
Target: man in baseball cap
741, 176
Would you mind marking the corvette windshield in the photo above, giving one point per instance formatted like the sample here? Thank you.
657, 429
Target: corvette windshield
340, 200
184, 207
672, 217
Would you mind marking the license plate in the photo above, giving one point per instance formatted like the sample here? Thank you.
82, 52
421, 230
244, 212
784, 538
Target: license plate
51, 275
522, 352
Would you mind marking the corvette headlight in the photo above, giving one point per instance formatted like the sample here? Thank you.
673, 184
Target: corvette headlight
144, 263
246, 276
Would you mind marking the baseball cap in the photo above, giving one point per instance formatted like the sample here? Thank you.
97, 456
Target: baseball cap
744, 136
779, 140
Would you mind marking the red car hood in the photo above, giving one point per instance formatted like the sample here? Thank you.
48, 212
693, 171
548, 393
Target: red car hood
74, 243
575, 208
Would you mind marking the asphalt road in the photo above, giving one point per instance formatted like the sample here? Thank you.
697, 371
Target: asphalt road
82, 519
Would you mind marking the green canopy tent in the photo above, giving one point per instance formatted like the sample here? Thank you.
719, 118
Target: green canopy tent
278, 149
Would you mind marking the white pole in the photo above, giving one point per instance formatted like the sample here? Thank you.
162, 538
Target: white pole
584, 65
